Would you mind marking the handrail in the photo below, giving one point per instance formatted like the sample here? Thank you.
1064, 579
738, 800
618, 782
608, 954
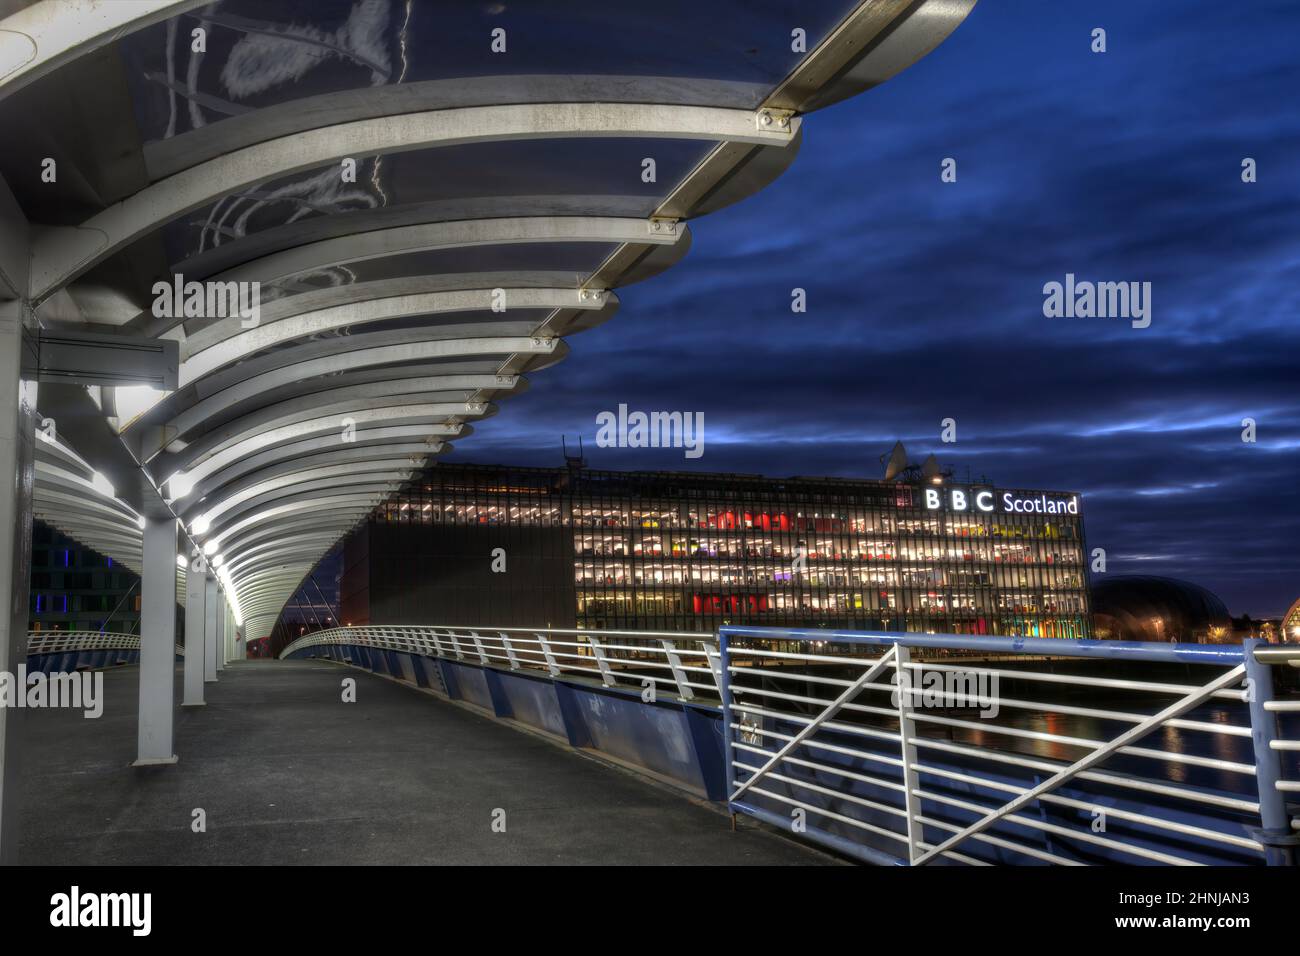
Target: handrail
912, 780
66, 642
682, 664
57, 642
805, 729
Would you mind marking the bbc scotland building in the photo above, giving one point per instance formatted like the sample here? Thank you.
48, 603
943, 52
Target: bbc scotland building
676, 551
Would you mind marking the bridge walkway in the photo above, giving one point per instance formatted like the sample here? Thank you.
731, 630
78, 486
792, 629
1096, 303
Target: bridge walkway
286, 772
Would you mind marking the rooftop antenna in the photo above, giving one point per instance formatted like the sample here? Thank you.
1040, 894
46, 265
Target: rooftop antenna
574, 462
895, 462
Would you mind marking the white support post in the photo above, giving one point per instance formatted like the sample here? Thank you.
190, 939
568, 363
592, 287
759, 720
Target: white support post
714, 657
220, 649
606, 675
510, 651
550, 658
227, 631
684, 691
157, 644
210, 630
478, 646
18, 420
906, 734
195, 616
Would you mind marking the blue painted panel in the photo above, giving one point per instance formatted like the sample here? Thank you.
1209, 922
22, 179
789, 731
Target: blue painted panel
533, 702
432, 676
472, 685
653, 736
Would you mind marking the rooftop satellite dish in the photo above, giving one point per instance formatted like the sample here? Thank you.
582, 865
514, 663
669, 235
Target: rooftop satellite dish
930, 468
897, 461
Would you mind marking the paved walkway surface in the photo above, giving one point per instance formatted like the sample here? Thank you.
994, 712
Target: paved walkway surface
288, 773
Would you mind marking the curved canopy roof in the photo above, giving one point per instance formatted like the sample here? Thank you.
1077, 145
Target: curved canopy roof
429, 196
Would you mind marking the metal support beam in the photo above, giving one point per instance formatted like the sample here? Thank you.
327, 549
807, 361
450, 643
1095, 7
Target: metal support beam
210, 630
17, 477
39, 38
157, 643
1275, 822
62, 254
219, 650
195, 616
906, 736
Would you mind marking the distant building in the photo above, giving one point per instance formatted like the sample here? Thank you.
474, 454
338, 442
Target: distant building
681, 551
76, 589
1289, 629
1145, 608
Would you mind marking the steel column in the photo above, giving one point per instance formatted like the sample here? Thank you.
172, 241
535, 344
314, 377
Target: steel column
219, 647
17, 476
210, 631
157, 643
195, 615
1275, 823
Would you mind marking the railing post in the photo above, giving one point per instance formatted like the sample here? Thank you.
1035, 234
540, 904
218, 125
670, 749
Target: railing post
437, 645
907, 749
723, 674
550, 658
679, 674
1275, 823
714, 657
455, 643
157, 673
606, 675
478, 645
510, 651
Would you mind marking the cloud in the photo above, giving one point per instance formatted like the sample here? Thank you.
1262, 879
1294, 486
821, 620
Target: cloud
925, 299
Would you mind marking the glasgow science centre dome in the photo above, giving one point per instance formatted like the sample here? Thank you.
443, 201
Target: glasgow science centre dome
1147, 608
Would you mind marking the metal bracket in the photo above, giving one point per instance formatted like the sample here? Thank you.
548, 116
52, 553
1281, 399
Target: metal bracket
510, 652
82, 356
550, 658
678, 672
606, 675
773, 120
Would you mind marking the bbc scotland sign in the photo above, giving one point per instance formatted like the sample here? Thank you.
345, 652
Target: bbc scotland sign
987, 500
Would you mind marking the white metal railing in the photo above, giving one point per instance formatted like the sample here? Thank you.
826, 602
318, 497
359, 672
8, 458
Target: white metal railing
815, 722
683, 664
58, 642
64, 642
848, 744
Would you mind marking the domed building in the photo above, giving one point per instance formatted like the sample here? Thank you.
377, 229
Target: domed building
1146, 608
1290, 630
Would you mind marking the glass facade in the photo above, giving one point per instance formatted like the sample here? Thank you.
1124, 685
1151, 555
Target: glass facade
76, 589
688, 552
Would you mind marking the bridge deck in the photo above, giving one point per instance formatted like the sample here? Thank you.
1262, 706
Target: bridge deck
287, 773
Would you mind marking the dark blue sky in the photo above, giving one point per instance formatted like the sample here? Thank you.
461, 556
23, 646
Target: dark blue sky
925, 299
